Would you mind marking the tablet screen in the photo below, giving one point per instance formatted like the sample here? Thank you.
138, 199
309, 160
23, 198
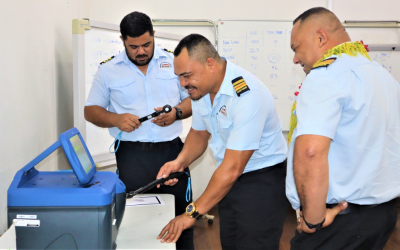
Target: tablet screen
81, 153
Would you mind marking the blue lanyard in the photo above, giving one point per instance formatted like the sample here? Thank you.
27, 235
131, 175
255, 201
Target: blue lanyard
188, 189
119, 140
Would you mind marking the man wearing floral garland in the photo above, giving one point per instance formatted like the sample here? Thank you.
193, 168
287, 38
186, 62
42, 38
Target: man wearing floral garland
344, 155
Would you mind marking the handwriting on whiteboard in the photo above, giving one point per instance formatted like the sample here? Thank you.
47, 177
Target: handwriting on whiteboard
266, 54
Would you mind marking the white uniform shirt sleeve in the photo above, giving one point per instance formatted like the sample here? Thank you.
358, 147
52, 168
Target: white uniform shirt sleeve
249, 117
99, 94
319, 106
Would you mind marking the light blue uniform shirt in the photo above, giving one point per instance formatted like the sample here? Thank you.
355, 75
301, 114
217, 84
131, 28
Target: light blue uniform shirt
356, 103
248, 122
122, 88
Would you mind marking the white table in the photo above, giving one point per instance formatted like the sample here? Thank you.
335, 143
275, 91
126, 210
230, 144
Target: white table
141, 225
8, 239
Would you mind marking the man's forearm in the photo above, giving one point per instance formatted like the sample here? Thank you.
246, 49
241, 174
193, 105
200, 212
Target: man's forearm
100, 117
311, 173
186, 106
195, 145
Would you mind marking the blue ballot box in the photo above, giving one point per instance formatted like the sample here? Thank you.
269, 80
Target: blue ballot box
76, 209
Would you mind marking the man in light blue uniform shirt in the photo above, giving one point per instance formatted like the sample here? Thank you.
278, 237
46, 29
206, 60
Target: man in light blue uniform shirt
246, 122
344, 156
131, 85
121, 87
238, 111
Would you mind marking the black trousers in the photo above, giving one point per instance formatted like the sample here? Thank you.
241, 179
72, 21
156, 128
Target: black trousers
138, 167
368, 229
253, 212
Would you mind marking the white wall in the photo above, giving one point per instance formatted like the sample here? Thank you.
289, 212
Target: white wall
36, 63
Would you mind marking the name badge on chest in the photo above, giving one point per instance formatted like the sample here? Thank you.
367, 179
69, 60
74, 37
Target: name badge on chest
222, 110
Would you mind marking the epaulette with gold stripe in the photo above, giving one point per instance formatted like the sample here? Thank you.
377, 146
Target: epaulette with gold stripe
240, 85
168, 51
107, 60
324, 63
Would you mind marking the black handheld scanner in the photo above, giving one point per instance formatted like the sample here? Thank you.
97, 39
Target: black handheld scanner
166, 109
154, 183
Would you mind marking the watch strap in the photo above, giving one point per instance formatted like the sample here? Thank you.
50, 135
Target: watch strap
312, 226
178, 113
196, 215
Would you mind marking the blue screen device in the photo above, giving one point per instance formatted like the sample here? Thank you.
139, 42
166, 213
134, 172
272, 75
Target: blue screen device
77, 154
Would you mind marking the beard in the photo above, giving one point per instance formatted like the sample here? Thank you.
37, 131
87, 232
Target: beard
136, 62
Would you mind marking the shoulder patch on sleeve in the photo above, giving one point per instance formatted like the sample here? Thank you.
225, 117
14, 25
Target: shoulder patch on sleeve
107, 60
240, 85
325, 63
168, 51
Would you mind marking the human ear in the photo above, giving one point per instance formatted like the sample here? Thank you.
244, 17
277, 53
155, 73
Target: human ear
210, 63
322, 37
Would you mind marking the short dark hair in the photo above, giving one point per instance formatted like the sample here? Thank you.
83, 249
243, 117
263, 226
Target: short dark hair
197, 46
136, 24
311, 12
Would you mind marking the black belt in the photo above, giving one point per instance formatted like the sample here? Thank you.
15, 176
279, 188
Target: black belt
351, 208
148, 145
259, 171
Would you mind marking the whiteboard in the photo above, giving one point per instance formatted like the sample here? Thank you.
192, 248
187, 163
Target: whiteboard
263, 48
390, 60
94, 46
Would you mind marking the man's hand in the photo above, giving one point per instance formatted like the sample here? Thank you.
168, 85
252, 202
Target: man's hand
165, 119
330, 216
173, 230
127, 122
170, 167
